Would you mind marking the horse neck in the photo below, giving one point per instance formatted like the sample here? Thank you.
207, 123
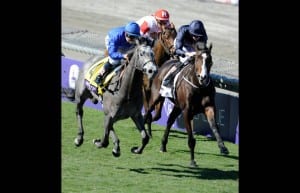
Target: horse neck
132, 80
189, 73
161, 52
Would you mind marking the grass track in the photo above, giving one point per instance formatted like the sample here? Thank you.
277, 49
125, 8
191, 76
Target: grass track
88, 169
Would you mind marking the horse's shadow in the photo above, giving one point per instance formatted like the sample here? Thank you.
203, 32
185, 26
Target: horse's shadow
198, 172
198, 153
180, 171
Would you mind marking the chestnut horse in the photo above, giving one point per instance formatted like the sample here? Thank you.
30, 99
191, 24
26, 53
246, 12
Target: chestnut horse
194, 94
163, 50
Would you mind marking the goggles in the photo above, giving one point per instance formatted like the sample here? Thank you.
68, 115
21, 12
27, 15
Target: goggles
130, 36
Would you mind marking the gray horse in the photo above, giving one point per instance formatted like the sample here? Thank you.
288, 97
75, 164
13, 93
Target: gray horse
122, 99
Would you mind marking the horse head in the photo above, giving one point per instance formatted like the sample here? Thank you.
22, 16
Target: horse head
203, 63
167, 37
145, 55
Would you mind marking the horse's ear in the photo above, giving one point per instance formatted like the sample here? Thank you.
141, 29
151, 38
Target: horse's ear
150, 42
138, 40
210, 46
172, 25
144, 40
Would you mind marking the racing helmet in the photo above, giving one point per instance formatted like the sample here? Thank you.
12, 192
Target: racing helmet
196, 28
133, 29
162, 15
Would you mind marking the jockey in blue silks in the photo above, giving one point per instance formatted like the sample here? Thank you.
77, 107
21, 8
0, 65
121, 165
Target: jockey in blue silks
184, 43
118, 41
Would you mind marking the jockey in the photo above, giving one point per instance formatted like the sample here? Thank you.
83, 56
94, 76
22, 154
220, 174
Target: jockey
118, 41
185, 41
151, 25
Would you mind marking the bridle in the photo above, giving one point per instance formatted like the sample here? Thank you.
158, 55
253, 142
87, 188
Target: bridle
164, 45
191, 70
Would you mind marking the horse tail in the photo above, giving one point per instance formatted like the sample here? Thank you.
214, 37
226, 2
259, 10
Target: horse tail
69, 93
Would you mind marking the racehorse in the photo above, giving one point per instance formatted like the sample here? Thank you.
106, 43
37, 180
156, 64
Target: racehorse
122, 98
163, 50
194, 94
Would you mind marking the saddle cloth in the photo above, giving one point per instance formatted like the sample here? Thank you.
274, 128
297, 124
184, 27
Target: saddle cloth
93, 72
170, 92
167, 91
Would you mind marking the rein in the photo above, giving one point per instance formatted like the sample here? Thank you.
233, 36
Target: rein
167, 50
141, 68
192, 84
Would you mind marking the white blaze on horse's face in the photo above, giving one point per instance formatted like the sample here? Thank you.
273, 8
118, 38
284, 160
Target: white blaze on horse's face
149, 67
203, 74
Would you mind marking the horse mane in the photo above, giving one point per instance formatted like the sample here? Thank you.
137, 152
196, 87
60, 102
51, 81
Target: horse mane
139, 41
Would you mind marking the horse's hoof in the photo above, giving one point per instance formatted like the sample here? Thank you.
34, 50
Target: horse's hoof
193, 163
78, 142
163, 149
224, 151
116, 153
135, 150
98, 143
95, 101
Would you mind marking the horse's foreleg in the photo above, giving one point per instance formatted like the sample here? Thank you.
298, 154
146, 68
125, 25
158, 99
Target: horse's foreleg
138, 120
79, 114
116, 150
158, 108
107, 127
151, 105
172, 117
191, 140
146, 98
210, 115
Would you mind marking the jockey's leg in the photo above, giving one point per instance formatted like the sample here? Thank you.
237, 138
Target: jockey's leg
99, 79
172, 73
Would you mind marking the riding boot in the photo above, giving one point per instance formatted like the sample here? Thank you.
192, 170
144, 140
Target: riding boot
99, 79
169, 79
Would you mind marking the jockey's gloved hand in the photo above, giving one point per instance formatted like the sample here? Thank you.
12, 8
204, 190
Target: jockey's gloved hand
179, 53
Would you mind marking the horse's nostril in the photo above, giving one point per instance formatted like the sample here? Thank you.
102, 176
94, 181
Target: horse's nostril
150, 71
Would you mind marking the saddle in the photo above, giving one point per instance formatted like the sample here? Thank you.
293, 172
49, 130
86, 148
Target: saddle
169, 91
92, 73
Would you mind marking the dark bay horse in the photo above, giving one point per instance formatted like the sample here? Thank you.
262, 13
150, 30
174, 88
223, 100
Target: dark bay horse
122, 99
163, 50
194, 94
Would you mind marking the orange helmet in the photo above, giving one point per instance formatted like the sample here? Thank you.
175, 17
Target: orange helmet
162, 14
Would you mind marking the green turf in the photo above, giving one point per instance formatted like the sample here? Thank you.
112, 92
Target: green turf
87, 169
